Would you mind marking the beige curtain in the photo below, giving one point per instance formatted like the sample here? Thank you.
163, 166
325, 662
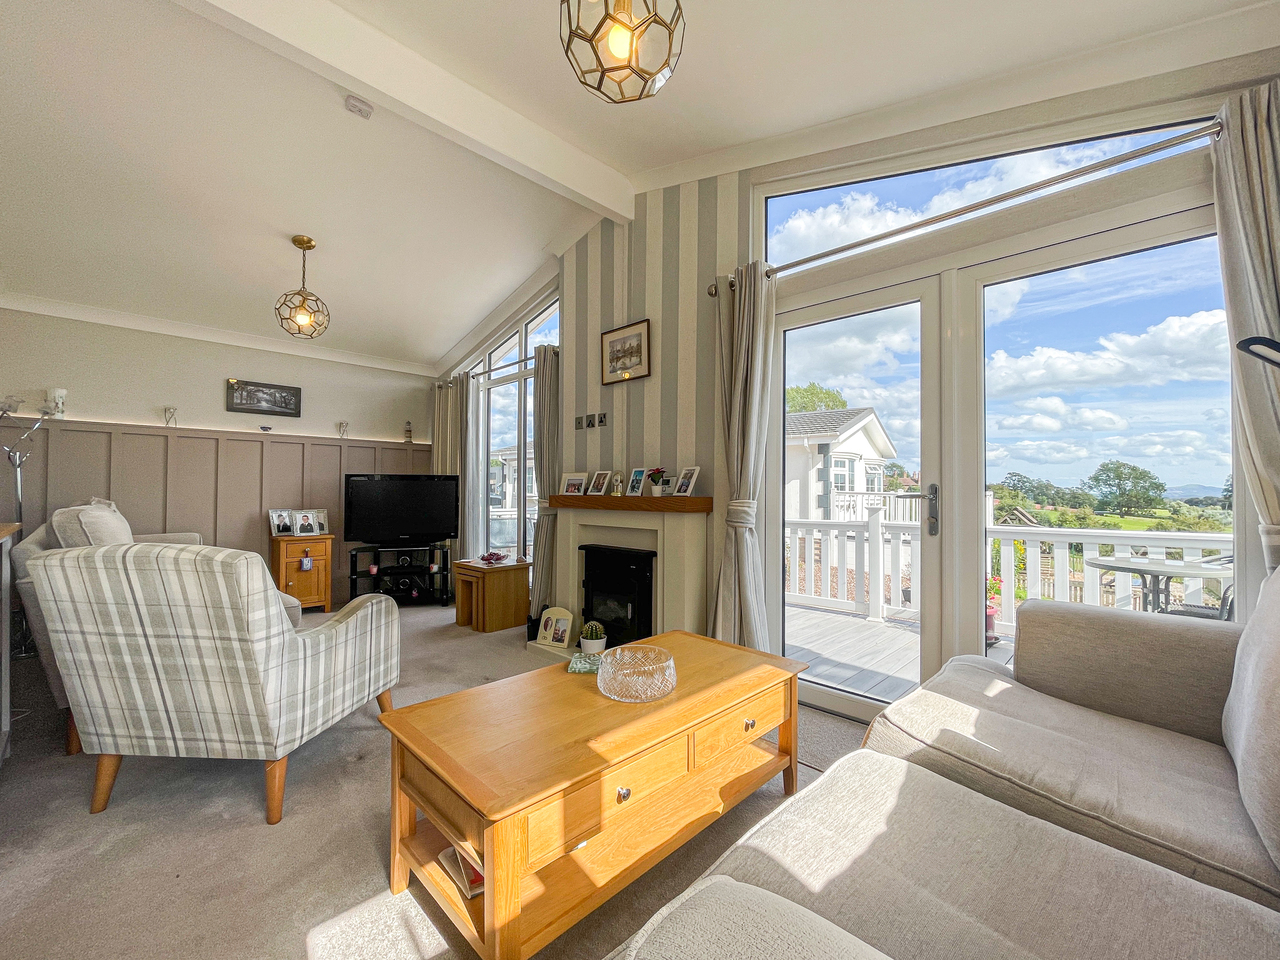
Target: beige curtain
746, 316
546, 471
455, 449
1246, 184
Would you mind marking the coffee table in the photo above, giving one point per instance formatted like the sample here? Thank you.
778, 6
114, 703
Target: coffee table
561, 796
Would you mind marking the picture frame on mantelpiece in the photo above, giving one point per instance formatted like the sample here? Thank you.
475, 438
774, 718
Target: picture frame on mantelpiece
599, 483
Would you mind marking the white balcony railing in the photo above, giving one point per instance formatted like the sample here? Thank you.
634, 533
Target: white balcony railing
855, 506
832, 564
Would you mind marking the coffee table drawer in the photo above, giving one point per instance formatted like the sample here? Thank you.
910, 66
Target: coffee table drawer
747, 721
456, 813
561, 823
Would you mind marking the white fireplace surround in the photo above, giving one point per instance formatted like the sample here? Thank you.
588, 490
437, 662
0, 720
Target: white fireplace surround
679, 570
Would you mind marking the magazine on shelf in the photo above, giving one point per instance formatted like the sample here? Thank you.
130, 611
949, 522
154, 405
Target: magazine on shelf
469, 880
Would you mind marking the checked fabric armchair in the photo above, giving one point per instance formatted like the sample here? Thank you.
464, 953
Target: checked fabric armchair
188, 651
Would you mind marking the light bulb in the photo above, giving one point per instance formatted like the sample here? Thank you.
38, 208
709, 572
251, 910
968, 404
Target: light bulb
620, 42
302, 318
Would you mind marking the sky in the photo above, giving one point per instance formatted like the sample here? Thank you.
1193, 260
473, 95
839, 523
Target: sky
1125, 358
504, 409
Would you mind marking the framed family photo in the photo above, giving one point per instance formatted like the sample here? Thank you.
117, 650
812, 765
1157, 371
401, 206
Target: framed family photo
685, 482
310, 523
624, 353
599, 483
556, 628
573, 484
281, 522
635, 485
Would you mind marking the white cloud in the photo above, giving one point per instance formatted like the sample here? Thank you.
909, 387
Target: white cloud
1064, 414
1176, 349
996, 453
1047, 451
1216, 415
1171, 446
1030, 423
1000, 301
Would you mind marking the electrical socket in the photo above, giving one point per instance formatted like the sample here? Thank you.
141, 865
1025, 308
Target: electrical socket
591, 421
600, 418
577, 423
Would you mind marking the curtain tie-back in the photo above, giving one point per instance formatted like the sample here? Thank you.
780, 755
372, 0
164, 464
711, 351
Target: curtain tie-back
741, 513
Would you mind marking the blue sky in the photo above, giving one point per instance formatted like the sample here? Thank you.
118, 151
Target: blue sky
1126, 358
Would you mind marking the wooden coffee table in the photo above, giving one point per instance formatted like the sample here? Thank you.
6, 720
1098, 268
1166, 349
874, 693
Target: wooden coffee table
561, 796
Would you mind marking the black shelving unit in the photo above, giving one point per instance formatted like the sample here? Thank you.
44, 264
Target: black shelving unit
404, 573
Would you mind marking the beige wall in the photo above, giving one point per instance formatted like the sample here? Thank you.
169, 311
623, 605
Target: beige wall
113, 374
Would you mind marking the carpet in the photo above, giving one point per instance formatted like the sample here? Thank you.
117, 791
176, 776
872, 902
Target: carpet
182, 863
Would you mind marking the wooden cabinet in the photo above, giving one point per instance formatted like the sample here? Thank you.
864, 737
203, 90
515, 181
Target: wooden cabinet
491, 598
311, 587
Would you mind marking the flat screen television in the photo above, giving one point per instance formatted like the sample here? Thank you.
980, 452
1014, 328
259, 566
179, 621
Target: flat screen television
413, 510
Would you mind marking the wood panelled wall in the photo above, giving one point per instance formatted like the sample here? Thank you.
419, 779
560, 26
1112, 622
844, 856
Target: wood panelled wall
219, 484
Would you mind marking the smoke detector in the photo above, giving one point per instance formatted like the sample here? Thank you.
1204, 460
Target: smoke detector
359, 107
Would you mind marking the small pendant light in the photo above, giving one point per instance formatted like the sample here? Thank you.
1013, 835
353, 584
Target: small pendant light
301, 313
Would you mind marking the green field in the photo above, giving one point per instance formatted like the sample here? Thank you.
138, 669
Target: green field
1126, 523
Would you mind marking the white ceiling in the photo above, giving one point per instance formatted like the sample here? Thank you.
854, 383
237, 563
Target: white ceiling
754, 69
155, 163
156, 155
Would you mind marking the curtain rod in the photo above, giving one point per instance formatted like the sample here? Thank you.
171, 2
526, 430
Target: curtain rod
1213, 129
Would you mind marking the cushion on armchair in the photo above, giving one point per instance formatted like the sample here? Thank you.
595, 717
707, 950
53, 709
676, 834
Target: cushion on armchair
94, 524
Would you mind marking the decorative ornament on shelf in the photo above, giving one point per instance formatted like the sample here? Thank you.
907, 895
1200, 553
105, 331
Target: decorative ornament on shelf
622, 50
301, 313
492, 558
343, 425
408, 431
656, 475
170, 416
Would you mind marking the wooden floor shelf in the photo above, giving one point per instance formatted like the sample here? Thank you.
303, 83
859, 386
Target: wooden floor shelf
422, 850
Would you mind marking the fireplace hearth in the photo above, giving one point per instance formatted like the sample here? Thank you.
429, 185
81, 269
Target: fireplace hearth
617, 591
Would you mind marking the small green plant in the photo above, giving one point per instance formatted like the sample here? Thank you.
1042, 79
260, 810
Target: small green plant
592, 630
656, 474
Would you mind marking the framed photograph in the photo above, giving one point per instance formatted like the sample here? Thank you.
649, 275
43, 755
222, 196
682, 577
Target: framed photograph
321, 518
305, 523
685, 482
599, 483
635, 486
624, 353
556, 628
573, 484
272, 399
281, 522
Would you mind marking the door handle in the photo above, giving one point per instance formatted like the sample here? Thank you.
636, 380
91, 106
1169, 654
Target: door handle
932, 497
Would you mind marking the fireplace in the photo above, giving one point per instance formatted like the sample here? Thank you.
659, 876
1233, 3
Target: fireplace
617, 591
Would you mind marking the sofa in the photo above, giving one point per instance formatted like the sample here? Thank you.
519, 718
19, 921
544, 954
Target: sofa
1113, 794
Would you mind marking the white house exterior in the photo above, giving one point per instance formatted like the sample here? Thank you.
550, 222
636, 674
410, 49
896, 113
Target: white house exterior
830, 452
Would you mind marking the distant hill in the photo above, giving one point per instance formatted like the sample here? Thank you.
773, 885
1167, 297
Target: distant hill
1191, 490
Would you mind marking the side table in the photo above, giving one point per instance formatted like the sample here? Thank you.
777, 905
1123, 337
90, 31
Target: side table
492, 598
312, 587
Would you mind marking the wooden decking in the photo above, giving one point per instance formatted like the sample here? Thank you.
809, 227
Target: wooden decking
849, 652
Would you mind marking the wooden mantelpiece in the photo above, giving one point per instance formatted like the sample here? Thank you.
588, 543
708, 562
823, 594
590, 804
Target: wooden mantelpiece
561, 501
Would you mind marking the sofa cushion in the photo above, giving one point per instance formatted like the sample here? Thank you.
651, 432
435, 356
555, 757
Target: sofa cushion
1251, 719
95, 524
721, 919
921, 868
1163, 796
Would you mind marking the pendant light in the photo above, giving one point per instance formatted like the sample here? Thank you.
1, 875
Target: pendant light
622, 50
301, 313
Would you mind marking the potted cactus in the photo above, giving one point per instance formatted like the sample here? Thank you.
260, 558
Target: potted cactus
593, 639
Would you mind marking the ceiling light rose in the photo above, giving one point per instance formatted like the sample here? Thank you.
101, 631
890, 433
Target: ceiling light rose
622, 50
301, 313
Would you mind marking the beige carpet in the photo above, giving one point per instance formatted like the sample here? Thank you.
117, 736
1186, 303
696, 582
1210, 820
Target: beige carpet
183, 865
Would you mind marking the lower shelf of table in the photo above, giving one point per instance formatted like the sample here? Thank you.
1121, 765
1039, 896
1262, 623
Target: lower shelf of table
555, 897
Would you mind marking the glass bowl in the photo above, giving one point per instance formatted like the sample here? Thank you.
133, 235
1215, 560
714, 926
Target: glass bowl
636, 673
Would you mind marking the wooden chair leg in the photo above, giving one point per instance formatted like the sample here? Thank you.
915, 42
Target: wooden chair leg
73, 736
384, 701
108, 767
275, 788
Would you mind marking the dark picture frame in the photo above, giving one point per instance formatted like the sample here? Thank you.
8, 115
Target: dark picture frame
624, 353
265, 399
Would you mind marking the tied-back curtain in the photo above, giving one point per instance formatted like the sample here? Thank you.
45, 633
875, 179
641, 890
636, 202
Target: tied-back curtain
471, 468
1246, 186
746, 318
546, 466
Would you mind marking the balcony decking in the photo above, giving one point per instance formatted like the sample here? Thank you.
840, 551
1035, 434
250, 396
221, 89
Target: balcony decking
849, 652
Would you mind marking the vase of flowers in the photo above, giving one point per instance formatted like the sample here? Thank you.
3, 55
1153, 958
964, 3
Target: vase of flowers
993, 607
593, 639
655, 476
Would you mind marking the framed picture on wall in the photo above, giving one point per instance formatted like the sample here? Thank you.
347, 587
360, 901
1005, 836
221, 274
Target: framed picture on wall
624, 353
272, 399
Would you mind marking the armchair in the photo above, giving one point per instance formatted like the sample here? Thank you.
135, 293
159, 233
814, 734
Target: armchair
187, 651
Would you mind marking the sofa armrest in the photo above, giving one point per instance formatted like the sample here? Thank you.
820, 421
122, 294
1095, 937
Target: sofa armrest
1170, 672
192, 538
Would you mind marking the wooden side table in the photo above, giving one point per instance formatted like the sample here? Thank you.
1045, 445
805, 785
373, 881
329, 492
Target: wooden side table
491, 598
314, 587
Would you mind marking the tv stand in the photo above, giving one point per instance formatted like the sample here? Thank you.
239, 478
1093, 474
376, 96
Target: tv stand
405, 574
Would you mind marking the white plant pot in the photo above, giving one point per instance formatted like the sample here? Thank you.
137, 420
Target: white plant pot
593, 646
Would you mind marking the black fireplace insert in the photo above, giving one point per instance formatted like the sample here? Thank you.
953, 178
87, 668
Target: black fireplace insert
617, 591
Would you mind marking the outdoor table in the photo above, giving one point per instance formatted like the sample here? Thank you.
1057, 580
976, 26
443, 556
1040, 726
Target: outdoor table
1157, 574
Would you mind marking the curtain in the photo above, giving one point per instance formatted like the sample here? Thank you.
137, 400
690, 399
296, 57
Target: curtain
1246, 186
746, 319
546, 468
472, 470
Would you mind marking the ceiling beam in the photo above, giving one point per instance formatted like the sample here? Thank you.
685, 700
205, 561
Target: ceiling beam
332, 42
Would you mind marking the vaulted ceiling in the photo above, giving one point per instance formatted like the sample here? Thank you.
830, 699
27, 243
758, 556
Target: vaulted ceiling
156, 155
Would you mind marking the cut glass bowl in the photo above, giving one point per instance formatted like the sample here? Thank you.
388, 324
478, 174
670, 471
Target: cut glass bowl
636, 673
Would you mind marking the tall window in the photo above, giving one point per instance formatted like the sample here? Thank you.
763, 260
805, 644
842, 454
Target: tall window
506, 375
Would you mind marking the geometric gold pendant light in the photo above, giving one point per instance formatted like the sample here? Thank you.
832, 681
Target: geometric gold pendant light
622, 50
301, 313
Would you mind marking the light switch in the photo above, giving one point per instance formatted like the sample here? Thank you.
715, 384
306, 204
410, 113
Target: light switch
577, 423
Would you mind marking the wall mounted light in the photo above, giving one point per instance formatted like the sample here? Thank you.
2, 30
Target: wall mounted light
301, 313
622, 50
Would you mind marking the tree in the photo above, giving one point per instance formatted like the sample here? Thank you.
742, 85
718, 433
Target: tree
894, 475
1125, 488
814, 396
1227, 493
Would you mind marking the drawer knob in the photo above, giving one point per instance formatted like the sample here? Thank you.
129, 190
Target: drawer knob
624, 794
749, 725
